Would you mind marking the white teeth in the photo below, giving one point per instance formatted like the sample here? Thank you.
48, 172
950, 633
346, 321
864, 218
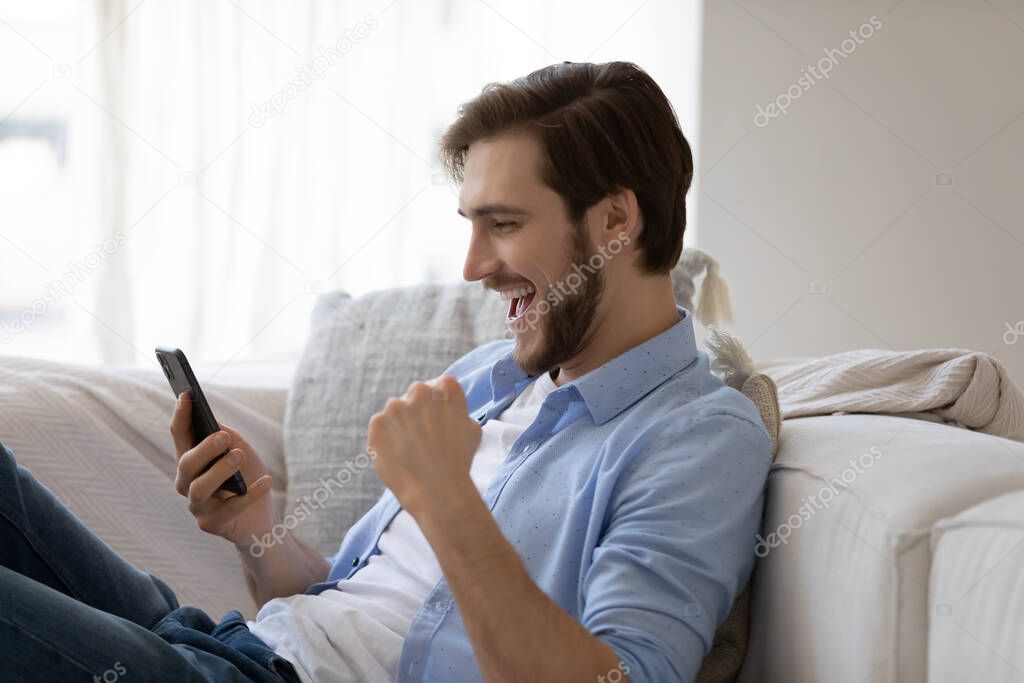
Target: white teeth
518, 292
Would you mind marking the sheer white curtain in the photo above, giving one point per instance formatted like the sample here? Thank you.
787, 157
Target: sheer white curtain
250, 154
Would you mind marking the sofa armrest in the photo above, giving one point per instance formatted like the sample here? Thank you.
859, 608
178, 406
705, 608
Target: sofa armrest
841, 589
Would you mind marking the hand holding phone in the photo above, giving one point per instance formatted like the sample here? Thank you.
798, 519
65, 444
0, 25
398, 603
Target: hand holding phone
202, 467
181, 378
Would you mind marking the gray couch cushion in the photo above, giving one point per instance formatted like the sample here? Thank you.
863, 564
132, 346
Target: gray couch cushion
362, 351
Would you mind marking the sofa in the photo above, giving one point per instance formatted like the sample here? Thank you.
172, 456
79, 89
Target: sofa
890, 547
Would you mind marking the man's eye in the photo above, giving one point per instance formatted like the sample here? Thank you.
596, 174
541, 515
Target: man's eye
503, 224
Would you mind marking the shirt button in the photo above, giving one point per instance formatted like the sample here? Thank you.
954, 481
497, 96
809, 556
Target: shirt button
355, 562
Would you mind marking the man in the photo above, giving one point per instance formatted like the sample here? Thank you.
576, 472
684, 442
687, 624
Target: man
579, 503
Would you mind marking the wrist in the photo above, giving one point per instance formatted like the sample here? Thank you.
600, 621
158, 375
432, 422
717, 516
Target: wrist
442, 505
257, 539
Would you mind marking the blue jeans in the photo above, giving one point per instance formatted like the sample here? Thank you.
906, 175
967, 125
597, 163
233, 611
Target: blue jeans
71, 609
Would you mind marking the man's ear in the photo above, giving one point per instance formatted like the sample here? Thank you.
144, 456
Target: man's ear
623, 217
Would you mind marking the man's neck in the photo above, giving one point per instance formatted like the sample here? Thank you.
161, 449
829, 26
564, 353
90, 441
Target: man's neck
624, 320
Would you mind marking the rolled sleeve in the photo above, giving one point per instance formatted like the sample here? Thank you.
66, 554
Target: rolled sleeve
679, 544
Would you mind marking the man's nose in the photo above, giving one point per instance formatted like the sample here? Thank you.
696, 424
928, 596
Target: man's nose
481, 260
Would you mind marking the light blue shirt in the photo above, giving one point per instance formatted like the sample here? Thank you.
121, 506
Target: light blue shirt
633, 499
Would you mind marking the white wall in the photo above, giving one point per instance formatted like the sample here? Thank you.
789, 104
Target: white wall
884, 209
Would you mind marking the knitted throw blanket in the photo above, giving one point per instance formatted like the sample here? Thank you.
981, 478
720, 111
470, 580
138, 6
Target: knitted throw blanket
959, 387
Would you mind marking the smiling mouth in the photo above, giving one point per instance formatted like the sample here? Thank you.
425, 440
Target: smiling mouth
519, 300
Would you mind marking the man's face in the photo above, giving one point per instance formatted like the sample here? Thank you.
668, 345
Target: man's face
524, 246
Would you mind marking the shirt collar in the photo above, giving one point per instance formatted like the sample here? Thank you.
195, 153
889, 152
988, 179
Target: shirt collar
622, 381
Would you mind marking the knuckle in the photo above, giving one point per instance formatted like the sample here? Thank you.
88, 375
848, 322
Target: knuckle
451, 385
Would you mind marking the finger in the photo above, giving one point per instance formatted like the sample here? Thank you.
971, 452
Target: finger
437, 385
380, 425
237, 439
453, 393
393, 407
206, 484
181, 425
227, 510
191, 464
419, 392
223, 494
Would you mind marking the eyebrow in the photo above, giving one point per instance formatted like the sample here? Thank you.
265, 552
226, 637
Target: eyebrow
488, 209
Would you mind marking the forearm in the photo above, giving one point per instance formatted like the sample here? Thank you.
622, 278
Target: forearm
518, 633
281, 569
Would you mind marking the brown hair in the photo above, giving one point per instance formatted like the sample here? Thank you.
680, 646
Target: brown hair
602, 127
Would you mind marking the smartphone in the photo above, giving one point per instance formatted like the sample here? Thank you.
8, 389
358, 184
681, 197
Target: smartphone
179, 374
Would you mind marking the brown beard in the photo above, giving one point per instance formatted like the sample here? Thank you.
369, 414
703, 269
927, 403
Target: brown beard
563, 330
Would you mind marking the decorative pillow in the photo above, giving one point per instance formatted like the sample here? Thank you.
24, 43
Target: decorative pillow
760, 388
731, 363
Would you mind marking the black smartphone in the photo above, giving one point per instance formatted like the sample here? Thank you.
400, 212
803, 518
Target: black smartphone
179, 374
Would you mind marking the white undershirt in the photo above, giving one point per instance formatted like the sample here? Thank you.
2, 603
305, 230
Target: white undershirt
356, 633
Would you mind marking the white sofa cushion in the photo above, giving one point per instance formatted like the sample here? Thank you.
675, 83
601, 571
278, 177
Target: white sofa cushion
845, 597
977, 628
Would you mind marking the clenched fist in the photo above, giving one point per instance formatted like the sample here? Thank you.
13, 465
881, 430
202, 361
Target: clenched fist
424, 444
